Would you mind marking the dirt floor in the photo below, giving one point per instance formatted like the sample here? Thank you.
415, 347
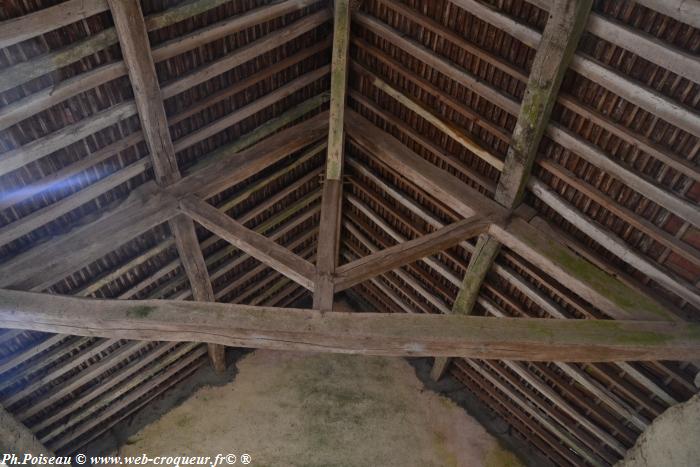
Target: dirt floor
672, 440
323, 410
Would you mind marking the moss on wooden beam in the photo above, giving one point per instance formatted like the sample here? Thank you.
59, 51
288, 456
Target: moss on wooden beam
528, 339
598, 287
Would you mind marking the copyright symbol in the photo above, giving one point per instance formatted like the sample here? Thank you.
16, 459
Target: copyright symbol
80, 459
245, 459
230, 459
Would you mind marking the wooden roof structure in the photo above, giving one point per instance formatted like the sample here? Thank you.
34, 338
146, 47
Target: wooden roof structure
529, 168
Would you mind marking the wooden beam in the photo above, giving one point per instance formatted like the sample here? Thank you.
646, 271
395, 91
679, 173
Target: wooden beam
46, 63
529, 339
642, 184
136, 50
339, 74
25, 27
15, 438
274, 255
458, 74
538, 246
607, 77
450, 129
195, 268
608, 293
667, 279
524, 287
404, 253
328, 243
559, 41
45, 98
685, 11
556, 49
332, 202
148, 206
639, 42
452, 191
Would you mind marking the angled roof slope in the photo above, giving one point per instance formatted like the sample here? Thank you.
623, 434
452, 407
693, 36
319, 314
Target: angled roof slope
608, 226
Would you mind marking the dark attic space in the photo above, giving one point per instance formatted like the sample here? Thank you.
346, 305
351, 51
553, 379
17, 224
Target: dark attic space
350, 232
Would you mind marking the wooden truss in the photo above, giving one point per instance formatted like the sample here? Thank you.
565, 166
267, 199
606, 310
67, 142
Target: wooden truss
644, 329
641, 330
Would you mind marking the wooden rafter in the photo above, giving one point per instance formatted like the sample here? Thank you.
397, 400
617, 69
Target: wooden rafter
646, 98
136, 50
400, 334
331, 204
556, 49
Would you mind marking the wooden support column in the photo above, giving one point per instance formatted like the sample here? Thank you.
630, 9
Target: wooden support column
559, 41
331, 205
328, 243
136, 50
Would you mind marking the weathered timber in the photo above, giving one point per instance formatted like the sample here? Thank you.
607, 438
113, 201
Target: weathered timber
450, 190
195, 268
331, 205
644, 97
339, 76
328, 243
540, 247
404, 253
40, 100
256, 245
556, 49
612, 243
136, 50
149, 206
530, 339
25, 27
604, 290
449, 128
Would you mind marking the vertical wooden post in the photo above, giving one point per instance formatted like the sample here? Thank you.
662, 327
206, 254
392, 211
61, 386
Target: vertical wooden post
331, 207
559, 41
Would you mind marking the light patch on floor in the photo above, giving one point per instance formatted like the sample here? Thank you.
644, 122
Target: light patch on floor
323, 410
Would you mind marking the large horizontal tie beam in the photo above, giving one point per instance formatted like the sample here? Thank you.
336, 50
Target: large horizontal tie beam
261, 248
399, 255
529, 339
